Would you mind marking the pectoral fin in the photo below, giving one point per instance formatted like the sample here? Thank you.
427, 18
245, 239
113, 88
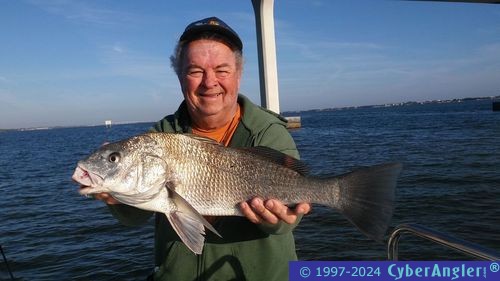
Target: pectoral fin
188, 223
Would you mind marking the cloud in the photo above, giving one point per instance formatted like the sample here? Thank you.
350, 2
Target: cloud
118, 48
317, 4
489, 51
321, 49
84, 12
124, 61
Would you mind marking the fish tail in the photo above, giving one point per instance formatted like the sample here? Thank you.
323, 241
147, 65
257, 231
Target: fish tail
366, 198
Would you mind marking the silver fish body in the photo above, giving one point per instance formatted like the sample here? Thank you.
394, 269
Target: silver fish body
188, 177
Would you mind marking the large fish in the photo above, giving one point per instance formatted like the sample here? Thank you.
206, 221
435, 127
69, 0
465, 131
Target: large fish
188, 177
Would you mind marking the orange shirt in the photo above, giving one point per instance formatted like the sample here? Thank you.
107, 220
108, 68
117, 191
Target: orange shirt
224, 134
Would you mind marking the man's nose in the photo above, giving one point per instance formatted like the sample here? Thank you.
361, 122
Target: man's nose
210, 79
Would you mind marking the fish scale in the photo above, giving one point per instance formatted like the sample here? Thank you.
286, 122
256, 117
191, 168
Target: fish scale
228, 181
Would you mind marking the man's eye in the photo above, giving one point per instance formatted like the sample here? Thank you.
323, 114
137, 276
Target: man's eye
222, 73
195, 73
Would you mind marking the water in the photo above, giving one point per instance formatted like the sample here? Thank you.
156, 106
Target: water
450, 182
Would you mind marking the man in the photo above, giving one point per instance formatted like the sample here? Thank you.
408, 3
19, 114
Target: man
208, 62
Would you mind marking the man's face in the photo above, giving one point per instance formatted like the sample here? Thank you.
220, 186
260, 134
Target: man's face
210, 79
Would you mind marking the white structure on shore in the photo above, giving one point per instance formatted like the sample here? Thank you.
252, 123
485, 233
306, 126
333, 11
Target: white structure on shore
107, 123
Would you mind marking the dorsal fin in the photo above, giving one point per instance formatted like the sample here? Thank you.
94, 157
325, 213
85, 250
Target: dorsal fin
279, 158
273, 155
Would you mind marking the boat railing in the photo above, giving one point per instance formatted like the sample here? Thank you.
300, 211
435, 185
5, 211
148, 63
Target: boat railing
471, 249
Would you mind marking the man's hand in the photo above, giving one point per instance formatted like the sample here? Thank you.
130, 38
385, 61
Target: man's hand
106, 198
272, 211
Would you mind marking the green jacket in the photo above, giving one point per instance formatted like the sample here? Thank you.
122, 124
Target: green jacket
246, 251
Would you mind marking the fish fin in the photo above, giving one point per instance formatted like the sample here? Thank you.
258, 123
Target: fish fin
279, 158
367, 198
273, 155
188, 223
189, 230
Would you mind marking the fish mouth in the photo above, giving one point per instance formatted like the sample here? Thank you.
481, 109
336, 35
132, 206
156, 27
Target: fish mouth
89, 181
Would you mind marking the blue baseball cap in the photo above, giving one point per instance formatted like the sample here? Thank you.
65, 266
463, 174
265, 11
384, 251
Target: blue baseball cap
215, 25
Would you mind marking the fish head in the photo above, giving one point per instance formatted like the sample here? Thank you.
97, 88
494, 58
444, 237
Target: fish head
130, 168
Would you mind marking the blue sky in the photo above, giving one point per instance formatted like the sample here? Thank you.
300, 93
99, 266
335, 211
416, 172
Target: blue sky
66, 63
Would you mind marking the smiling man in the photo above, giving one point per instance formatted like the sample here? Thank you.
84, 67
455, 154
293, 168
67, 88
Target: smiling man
208, 61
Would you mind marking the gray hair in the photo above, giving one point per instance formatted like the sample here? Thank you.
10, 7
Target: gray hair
178, 55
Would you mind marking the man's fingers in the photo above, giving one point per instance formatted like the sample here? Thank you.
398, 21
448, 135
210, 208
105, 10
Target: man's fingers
107, 198
247, 211
262, 211
256, 212
272, 211
303, 208
281, 211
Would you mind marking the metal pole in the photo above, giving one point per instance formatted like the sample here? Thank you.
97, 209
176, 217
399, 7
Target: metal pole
466, 247
266, 46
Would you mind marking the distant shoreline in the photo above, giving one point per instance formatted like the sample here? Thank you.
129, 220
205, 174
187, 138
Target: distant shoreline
407, 103
285, 113
72, 126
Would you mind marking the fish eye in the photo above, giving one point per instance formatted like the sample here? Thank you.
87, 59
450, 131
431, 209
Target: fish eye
114, 157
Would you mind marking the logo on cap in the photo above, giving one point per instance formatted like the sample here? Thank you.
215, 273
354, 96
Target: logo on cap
213, 22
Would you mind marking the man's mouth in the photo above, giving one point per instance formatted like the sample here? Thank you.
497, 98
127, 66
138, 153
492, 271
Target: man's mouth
210, 95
